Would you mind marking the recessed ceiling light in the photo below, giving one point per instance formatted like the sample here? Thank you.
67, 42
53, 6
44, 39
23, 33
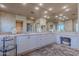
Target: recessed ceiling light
40, 4
67, 10
64, 16
45, 16
64, 7
36, 8
50, 9
2, 6
45, 12
56, 16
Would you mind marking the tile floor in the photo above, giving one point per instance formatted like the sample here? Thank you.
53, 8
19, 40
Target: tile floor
54, 50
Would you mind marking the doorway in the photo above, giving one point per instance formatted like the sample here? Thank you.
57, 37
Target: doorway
19, 26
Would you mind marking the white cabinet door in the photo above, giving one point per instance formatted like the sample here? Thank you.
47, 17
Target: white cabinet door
50, 39
34, 41
28, 42
23, 44
38, 41
44, 40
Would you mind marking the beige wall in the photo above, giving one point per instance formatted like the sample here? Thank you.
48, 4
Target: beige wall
7, 22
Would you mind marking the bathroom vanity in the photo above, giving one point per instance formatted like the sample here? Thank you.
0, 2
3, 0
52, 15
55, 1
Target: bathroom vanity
31, 41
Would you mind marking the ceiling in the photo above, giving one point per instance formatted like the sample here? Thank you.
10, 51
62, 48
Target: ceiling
28, 10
